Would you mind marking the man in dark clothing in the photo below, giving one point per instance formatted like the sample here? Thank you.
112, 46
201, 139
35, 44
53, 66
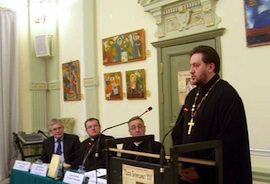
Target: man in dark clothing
89, 156
60, 143
213, 111
136, 127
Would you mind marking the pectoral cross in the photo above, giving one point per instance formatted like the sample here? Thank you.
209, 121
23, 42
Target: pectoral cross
190, 124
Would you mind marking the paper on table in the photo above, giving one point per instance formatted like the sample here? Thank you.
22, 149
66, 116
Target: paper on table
92, 174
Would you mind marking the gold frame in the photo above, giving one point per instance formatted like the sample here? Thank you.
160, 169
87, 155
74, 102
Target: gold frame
257, 23
71, 81
136, 84
113, 86
124, 48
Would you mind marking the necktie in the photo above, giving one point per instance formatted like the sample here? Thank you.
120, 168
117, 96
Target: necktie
59, 148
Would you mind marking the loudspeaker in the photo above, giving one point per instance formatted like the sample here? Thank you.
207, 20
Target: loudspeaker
43, 45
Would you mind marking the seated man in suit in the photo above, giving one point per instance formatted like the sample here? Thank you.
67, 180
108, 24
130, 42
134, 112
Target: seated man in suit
60, 143
92, 156
136, 127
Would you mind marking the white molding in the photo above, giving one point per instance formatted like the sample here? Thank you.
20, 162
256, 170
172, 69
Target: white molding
261, 174
54, 85
89, 82
258, 173
39, 86
260, 152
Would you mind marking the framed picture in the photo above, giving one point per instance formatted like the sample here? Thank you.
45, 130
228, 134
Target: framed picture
257, 22
113, 86
184, 86
127, 47
136, 84
71, 81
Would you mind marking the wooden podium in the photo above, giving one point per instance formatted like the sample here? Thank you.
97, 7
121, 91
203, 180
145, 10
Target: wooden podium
145, 172
217, 163
120, 169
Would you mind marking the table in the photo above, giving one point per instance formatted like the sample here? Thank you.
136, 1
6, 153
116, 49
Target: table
23, 177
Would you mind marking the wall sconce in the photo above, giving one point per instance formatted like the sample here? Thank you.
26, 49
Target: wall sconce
42, 9
41, 19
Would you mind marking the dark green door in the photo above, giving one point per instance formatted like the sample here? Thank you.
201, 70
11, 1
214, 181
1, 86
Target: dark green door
173, 59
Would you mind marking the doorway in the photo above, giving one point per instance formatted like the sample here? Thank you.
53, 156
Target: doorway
173, 57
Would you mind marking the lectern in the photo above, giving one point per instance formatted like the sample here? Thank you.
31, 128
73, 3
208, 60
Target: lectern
118, 168
137, 169
217, 163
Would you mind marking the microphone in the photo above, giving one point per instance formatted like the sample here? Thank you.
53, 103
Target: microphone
40, 131
147, 110
97, 147
162, 151
76, 152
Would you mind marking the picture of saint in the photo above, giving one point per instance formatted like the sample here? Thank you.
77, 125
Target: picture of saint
113, 86
71, 81
135, 81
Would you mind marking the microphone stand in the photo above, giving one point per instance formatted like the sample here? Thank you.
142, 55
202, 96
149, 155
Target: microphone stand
89, 151
98, 140
162, 151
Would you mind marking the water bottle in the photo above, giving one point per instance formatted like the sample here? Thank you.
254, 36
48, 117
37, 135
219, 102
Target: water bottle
39, 161
60, 171
82, 171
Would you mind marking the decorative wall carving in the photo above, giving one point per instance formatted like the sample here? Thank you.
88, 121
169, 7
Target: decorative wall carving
68, 124
54, 85
89, 82
176, 18
39, 86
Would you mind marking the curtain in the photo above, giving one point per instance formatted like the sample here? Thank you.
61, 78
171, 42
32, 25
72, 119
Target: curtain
8, 90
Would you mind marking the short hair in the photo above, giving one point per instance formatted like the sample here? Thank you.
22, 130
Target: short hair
210, 55
91, 119
55, 121
135, 118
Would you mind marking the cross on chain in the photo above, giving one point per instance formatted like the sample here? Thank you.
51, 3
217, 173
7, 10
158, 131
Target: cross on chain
190, 124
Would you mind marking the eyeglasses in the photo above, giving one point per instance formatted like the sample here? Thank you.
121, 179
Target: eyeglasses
140, 126
57, 128
92, 126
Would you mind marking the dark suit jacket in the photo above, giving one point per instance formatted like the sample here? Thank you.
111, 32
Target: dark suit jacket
143, 147
87, 151
71, 145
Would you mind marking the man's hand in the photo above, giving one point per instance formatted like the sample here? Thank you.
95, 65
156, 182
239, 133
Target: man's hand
188, 174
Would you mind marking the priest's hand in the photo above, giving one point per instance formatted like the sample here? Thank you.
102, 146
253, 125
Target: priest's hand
188, 174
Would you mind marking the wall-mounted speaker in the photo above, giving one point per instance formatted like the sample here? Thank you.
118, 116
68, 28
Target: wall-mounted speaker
43, 45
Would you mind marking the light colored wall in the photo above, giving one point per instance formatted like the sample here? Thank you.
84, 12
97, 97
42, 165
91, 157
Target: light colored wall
70, 49
247, 70
114, 20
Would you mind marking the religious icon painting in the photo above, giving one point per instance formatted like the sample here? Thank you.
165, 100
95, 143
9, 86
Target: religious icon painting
257, 22
71, 81
113, 86
136, 84
123, 48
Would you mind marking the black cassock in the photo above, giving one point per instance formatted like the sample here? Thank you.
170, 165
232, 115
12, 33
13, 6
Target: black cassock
221, 116
142, 147
88, 149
